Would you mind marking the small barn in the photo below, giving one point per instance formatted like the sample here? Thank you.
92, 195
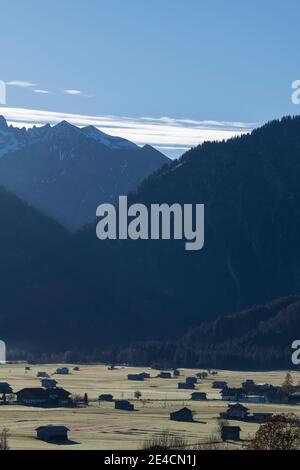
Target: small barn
62, 370
198, 396
124, 405
105, 397
48, 383
219, 384
184, 414
230, 433
42, 374
165, 375
185, 386
52, 433
138, 377
191, 380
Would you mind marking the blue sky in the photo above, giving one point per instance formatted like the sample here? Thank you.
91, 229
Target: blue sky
195, 69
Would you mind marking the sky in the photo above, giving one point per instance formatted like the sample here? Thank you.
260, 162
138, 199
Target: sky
170, 73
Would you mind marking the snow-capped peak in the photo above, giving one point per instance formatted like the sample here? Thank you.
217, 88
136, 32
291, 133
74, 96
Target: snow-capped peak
117, 143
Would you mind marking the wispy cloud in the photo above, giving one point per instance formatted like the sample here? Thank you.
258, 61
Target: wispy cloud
171, 135
21, 84
42, 92
73, 92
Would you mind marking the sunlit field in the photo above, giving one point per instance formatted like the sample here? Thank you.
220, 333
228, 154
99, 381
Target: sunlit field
100, 426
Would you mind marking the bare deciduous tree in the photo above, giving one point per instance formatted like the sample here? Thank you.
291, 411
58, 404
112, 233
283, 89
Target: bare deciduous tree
280, 433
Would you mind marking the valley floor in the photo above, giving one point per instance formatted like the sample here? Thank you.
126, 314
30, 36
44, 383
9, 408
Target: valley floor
100, 426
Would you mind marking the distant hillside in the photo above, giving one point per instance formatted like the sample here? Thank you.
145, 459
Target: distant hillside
28, 240
257, 338
66, 171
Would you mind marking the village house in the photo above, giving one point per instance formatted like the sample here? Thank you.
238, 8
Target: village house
235, 411
105, 397
185, 386
5, 389
184, 414
62, 371
52, 433
276, 395
199, 396
219, 384
230, 433
124, 405
232, 394
48, 383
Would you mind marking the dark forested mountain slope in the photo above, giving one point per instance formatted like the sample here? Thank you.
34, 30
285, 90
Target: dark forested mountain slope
112, 292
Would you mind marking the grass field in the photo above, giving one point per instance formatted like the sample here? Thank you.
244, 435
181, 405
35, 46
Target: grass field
100, 426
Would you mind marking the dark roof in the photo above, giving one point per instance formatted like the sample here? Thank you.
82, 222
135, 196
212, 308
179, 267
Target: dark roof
183, 410
52, 427
237, 405
33, 392
43, 393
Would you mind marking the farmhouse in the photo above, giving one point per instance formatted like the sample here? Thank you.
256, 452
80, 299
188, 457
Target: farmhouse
52, 433
124, 405
32, 397
62, 371
199, 396
106, 397
43, 397
219, 384
185, 386
185, 414
276, 395
48, 383
230, 433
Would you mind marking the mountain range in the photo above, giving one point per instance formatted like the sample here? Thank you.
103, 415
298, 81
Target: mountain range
86, 293
66, 172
